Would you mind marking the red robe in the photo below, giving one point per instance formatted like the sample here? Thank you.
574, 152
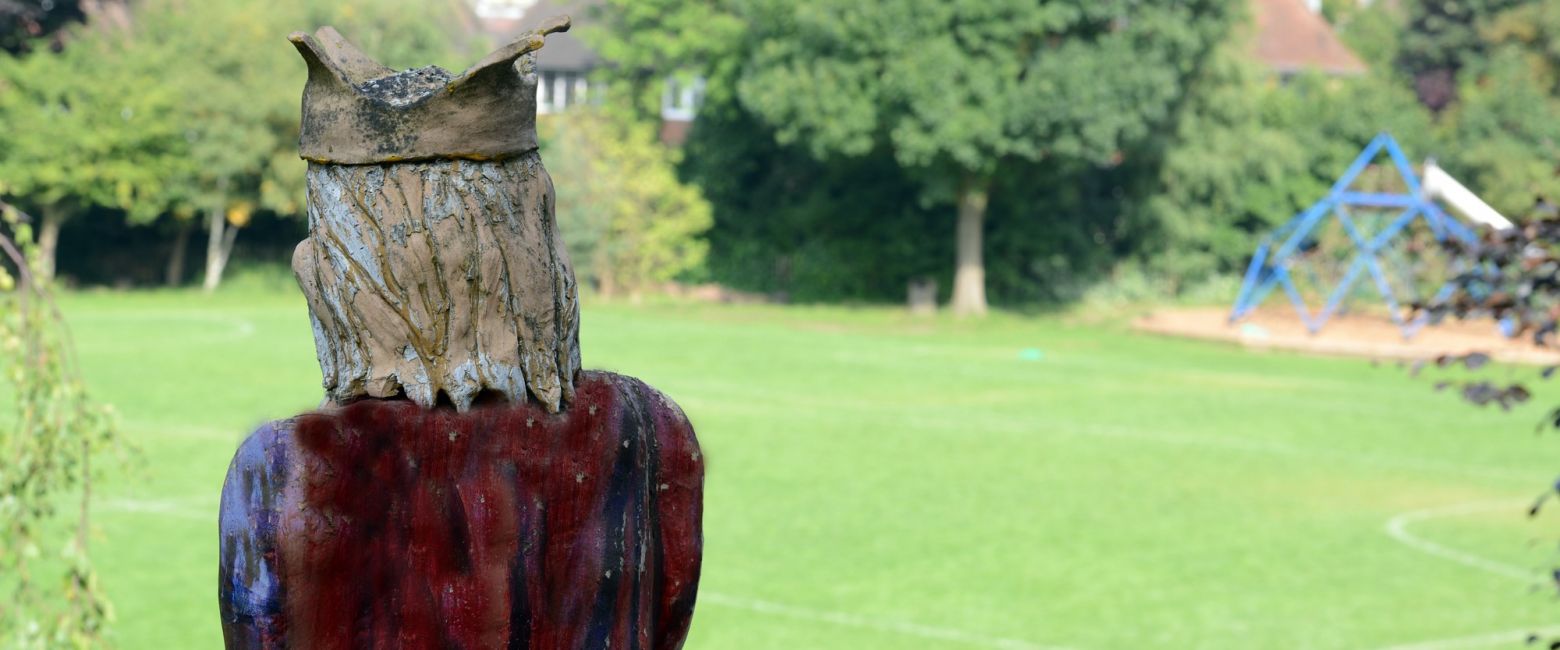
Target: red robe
381, 524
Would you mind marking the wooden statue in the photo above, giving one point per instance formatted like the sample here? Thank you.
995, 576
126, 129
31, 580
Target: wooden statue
466, 485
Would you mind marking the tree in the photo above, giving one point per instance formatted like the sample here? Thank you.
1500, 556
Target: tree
237, 87
1230, 171
628, 222
1506, 127
76, 131
23, 23
1373, 31
54, 432
793, 226
1442, 38
959, 90
1512, 278
648, 41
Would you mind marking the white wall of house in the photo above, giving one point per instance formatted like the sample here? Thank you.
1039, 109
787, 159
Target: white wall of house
501, 9
680, 99
557, 91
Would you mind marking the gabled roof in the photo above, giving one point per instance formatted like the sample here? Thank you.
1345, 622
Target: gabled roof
563, 52
1291, 38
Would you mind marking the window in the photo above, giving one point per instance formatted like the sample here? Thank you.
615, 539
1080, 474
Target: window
681, 99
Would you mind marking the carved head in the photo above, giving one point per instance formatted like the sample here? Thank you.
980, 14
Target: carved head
433, 264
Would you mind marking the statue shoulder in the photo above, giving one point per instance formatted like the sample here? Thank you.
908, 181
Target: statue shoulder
266, 448
675, 442
649, 400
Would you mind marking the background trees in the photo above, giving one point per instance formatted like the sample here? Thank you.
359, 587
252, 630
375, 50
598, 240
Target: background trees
171, 109
956, 91
837, 140
630, 225
76, 131
238, 108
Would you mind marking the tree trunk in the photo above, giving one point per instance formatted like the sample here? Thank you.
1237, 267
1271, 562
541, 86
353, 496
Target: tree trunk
174, 275
219, 242
969, 278
51, 218
107, 15
601, 267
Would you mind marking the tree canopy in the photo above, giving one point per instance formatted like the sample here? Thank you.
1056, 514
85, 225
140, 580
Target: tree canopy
840, 144
956, 90
181, 108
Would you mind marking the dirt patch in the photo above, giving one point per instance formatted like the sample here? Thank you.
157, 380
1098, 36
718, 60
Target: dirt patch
1357, 335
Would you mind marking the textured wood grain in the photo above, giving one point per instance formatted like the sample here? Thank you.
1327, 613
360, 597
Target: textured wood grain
357, 111
439, 277
382, 525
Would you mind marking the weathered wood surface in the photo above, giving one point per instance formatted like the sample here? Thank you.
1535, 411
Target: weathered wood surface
384, 525
357, 111
439, 276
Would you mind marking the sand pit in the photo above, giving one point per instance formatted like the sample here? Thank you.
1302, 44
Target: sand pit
1359, 335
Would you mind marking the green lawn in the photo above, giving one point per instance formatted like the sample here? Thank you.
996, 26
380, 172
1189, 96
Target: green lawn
878, 481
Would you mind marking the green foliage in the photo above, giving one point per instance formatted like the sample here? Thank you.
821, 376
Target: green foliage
628, 222
1374, 32
237, 81
1442, 38
1505, 128
788, 224
835, 131
1228, 175
1248, 154
962, 93
77, 129
189, 107
1534, 29
1445, 33
46, 448
648, 41
1507, 132
964, 85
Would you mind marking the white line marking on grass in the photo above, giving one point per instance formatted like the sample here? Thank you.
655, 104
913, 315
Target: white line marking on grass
1285, 449
1397, 528
1478, 641
240, 328
855, 620
181, 508
1059, 429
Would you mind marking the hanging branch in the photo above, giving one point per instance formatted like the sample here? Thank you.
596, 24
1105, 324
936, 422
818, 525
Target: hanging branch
44, 457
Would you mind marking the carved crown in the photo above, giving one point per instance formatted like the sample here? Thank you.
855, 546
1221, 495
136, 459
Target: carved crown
357, 111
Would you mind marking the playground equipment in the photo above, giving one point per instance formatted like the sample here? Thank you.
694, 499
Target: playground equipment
1272, 264
1442, 186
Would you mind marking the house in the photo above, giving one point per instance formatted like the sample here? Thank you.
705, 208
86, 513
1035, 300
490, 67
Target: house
566, 63
1292, 36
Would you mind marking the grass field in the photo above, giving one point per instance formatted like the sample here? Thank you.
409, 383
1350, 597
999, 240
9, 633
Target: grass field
877, 481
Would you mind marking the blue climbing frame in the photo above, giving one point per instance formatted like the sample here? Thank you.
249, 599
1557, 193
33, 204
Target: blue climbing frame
1269, 268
